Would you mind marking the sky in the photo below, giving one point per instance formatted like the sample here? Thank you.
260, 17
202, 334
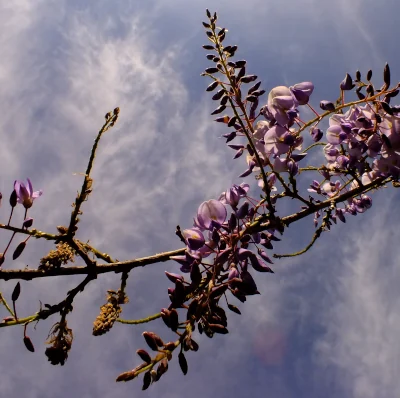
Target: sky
326, 324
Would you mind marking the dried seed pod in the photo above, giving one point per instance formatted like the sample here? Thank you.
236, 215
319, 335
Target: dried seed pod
358, 76
208, 47
369, 75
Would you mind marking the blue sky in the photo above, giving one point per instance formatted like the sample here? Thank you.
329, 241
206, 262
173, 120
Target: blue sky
326, 324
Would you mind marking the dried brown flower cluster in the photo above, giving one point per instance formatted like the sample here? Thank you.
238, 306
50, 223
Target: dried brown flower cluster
60, 337
109, 312
56, 258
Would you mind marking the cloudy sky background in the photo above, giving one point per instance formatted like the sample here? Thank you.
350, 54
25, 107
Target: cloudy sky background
326, 324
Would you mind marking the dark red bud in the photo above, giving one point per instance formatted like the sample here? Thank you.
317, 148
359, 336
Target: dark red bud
13, 198
16, 292
195, 274
146, 381
248, 78
218, 291
183, 363
217, 328
151, 342
193, 345
165, 313
169, 346
235, 309
28, 344
220, 109
144, 355
18, 251
192, 308
173, 320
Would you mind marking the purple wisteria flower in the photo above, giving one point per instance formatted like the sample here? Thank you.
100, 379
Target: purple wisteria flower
302, 92
25, 194
211, 214
194, 238
280, 101
233, 195
278, 140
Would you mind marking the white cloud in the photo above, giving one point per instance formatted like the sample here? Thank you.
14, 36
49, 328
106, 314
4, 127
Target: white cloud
362, 322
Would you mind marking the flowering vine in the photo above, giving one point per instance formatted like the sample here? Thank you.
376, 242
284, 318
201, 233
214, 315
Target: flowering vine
232, 237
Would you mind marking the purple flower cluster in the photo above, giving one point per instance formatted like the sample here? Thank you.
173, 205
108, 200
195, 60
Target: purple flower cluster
223, 239
274, 138
366, 139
